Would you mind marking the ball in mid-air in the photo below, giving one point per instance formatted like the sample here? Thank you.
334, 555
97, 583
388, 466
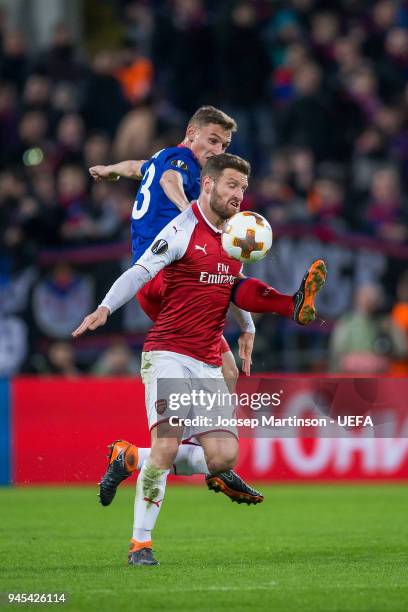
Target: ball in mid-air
247, 237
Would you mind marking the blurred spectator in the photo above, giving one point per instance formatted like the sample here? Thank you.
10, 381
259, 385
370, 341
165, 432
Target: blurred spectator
104, 221
33, 134
244, 69
382, 17
8, 121
308, 120
12, 190
243, 80
362, 86
325, 28
385, 214
59, 361
118, 360
70, 140
362, 341
64, 98
393, 66
135, 134
347, 54
14, 64
104, 102
61, 300
139, 24
184, 55
326, 202
302, 170
44, 217
399, 316
96, 149
59, 62
135, 74
74, 200
36, 94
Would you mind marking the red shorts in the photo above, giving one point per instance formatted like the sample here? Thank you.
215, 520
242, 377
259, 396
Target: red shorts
150, 301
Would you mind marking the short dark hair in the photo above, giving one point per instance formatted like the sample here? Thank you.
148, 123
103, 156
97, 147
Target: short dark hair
209, 114
215, 166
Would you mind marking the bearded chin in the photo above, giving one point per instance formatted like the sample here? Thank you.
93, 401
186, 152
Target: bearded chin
217, 206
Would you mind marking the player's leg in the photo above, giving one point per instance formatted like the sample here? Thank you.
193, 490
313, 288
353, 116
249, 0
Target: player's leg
221, 453
125, 459
230, 371
165, 439
253, 295
190, 459
150, 491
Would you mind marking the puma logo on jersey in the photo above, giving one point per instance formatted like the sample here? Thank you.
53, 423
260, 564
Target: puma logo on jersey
200, 248
176, 230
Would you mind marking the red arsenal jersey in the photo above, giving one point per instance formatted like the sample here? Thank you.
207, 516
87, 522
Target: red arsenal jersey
198, 278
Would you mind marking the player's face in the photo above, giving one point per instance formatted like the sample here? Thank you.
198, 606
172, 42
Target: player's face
207, 141
228, 192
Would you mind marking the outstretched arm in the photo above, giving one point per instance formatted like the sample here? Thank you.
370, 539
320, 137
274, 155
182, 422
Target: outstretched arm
122, 290
247, 337
172, 184
127, 169
146, 268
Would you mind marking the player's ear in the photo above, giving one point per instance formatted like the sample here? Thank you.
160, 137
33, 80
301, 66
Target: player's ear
191, 132
207, 184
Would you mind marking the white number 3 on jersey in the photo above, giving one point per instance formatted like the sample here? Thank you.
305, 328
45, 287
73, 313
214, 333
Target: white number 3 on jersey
144, 195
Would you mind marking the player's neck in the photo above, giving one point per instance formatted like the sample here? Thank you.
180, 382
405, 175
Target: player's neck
210, 216
185, 143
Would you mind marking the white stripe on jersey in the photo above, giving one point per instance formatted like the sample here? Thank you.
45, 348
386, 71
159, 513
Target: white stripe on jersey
171, 244
175, 237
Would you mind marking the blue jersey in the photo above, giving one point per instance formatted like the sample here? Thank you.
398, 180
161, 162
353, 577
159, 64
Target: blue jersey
152, 209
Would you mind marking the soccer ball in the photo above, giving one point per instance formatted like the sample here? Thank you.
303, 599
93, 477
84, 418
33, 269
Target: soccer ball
247, 237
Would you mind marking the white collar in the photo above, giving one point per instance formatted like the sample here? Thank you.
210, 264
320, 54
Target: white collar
207, 221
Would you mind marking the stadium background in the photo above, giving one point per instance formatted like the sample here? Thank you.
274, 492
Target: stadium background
320, 94
319, 90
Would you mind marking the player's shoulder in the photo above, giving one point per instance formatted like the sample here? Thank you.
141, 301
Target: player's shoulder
182, 226
181, 157
176, 235
185, 221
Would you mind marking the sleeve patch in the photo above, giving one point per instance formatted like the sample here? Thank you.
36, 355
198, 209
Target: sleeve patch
179, 163
160, 247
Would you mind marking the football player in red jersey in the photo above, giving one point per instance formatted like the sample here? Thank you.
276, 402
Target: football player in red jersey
183, 344
170, 180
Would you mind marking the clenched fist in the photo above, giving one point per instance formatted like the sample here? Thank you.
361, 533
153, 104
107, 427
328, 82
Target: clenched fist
99, 173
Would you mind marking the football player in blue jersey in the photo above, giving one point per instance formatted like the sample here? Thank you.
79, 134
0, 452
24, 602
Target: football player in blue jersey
170, 181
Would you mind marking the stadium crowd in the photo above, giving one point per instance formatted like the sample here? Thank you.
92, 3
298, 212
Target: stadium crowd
319, 91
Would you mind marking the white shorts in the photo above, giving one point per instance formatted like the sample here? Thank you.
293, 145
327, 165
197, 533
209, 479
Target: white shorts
166, 375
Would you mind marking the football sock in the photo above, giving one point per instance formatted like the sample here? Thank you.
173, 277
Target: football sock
189, 460
255, 296
150, 489
144, 453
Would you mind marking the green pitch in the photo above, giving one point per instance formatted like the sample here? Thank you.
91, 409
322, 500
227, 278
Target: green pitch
306, 548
